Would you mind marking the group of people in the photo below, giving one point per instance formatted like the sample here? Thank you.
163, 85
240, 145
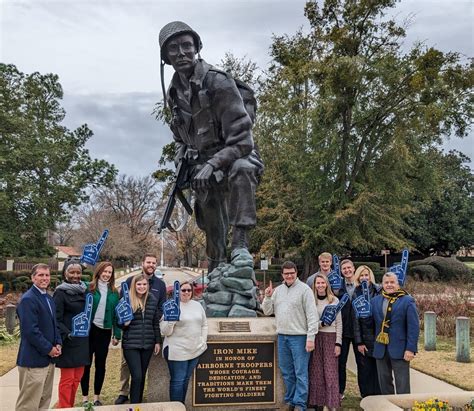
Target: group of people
312, 355
48, 339
312, 352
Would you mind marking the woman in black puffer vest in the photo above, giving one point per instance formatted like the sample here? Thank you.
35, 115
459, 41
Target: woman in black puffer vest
364, 336
141, 336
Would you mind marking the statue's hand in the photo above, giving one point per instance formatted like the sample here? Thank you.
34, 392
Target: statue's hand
203, 178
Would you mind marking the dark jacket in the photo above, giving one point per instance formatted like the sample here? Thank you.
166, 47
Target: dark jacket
38, 327
364, 328
346, 313
404, 327
156, 286
143, 332
75, 351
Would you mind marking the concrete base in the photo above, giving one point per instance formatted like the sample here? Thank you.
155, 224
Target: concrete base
407, 401
156, 406
261, 330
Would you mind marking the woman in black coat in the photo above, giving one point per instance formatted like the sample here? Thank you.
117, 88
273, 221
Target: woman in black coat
141, 336
70, 299
364, 336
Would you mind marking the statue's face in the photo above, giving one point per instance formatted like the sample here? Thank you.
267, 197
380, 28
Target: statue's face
181, 53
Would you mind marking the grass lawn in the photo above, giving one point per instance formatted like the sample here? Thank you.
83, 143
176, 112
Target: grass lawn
442, 363
352, 399
8, 354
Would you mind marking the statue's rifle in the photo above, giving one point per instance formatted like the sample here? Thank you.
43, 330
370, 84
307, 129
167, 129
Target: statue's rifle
176, 191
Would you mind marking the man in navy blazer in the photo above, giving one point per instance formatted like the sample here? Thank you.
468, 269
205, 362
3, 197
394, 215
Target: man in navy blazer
40, 343
397, 327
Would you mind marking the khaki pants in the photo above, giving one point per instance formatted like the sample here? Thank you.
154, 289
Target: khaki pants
124, 377
36, 387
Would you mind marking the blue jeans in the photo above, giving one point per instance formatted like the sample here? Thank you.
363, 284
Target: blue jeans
180, 373
294, 361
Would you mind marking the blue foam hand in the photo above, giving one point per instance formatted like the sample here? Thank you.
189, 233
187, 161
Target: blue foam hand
335, 280
91, 251
361, 304
81, 323
401, 269
330, 311
171, 310
123, 310
404, 266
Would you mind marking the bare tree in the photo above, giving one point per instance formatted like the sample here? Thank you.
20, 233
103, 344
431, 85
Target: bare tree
129, 210
64, 233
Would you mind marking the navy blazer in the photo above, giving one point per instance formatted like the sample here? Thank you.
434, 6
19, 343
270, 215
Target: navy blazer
38, 328
404, 327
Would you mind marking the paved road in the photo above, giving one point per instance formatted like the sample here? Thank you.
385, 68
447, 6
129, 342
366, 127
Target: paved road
170, 275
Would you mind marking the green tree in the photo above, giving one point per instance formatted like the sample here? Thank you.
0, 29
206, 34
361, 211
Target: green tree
45, 169
345, 122
444, 223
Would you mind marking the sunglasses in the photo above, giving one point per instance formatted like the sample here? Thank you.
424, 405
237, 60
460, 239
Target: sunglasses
186, 290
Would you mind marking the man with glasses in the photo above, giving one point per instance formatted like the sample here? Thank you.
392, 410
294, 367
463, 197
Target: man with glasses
297, 320
212, 128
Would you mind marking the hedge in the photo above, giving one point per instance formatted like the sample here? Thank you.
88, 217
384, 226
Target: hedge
20, 281
424, 272
442, 268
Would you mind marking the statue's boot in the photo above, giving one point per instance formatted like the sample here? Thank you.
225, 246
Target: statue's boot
240, 237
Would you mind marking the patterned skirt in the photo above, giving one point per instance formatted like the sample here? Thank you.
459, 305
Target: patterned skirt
323, 374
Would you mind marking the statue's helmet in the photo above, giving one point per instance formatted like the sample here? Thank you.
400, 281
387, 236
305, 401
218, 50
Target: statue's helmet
173, 29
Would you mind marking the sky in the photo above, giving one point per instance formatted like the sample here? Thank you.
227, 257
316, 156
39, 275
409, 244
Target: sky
106, 55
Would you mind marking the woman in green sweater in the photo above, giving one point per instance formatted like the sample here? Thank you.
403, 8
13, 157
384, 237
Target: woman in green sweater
103, 327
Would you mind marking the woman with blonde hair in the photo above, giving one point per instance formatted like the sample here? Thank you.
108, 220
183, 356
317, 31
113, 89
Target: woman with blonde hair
185, 340
364, 335
323, 369
103, 327
141, 336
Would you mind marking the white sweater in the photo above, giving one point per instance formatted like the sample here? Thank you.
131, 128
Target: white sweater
294, 308
100, 311
186, 338
336, 326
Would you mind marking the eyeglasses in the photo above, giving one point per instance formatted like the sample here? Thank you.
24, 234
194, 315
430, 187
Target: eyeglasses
289, 273
186, 290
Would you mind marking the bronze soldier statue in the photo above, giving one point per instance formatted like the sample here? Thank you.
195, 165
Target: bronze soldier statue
212, 127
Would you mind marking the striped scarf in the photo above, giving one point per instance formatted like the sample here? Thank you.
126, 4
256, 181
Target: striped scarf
383, 335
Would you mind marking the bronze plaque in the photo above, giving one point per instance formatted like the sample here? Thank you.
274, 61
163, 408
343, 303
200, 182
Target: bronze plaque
234, 327
235, 373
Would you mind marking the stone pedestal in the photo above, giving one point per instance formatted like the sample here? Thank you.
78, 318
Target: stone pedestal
244, 363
